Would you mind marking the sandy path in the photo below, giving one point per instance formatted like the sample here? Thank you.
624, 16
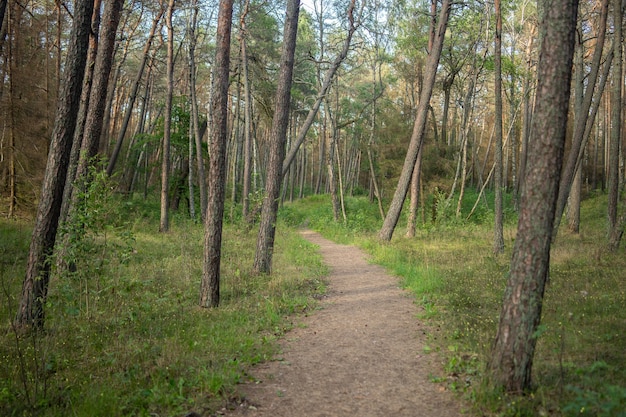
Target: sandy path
361, 354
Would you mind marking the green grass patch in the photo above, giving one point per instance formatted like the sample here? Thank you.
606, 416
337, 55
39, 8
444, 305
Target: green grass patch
450, 267
124, 334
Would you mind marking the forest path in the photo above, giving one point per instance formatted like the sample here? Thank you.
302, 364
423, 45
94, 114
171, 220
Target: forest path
361, 354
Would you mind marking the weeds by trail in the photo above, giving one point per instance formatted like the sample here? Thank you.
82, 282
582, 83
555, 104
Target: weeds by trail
124, 334
449, 266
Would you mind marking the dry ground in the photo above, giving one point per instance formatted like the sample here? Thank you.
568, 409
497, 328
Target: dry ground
361, 354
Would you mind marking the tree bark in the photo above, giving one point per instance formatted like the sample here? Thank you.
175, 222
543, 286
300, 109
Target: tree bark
616, 116
498, 237
275, 172
514, 346
247, 114
35, 286
197, 134
573, 157
164, 225
417, 137
210, 285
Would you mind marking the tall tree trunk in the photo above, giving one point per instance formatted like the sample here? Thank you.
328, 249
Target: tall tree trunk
267, 229
35, 286
616, 116
417, 137
133, 94
164, 225
86, 141
573, 205
197, 134
575, 152
514, 346
247, 114
210, 285
498, 237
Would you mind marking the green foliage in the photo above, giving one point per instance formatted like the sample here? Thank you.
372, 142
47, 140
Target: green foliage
146, 348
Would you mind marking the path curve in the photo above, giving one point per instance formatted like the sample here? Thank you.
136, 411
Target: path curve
361, 354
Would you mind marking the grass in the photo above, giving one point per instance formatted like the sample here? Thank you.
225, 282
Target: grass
124, 334
450, 267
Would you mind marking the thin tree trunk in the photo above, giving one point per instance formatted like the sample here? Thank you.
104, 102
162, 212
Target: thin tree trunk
197, 134
573, 205
133, 94
210, 285
164, 225
616, 116
498, 236
415, 195
513, 350
35, 286
267, 229
328, 78
417, 137
247, 114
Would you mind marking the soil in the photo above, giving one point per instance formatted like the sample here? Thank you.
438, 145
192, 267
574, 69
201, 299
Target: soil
360, 354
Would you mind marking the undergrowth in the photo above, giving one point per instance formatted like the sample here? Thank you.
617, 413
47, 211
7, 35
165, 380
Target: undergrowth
458, 282
124, 335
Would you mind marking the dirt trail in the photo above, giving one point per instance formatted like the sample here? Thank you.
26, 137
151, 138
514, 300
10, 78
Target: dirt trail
360, 355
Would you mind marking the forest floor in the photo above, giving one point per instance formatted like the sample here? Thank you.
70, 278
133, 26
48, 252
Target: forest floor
362, 353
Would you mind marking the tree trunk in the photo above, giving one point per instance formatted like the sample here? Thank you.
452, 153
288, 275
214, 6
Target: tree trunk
498, 237
514, 346
328, 78
415, 196
133, 94
35, 286
275, 172
210, 285
197, 133
164, 225
616, 116
417, 137
247, 114
573, 157
573, 204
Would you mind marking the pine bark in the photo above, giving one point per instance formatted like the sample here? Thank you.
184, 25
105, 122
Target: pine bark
164, 225
35, 286
210, 285
498, 236
514, 346
573, 158
269, 209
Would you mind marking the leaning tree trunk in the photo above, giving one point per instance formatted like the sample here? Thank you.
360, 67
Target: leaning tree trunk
417, 137
133, 94
514, 347
581, 123
210, 285
267, 229
328, 79
35, 286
